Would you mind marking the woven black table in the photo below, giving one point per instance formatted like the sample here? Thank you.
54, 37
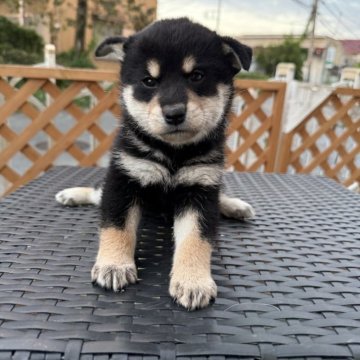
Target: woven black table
288, 281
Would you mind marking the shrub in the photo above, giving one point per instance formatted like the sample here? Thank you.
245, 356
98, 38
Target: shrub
73, 59
19, 45
252, 75
76, 60
10, 55
289, 51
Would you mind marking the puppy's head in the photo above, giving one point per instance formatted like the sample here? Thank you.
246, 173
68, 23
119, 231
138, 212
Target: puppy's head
177, 78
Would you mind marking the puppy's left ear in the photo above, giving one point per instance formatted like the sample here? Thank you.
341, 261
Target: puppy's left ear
239, 54
113, 45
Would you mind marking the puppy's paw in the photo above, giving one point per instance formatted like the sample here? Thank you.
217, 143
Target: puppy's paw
70, 196
114, 277
236, 208
79, 196
192, 293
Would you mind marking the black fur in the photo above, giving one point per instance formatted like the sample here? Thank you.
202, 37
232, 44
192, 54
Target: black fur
170, 41
106, 47
243, 52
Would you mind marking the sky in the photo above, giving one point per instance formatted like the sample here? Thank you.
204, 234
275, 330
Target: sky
339, 19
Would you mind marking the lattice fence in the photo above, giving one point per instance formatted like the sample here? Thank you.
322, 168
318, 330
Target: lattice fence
327, 141
255, 125
68, 117
51, 116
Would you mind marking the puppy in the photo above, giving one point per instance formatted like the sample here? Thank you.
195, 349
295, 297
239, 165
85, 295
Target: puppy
176, 91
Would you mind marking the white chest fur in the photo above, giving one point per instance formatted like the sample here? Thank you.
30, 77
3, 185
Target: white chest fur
148, 172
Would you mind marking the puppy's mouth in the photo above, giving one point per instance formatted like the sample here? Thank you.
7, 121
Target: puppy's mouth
176, 131
178, 136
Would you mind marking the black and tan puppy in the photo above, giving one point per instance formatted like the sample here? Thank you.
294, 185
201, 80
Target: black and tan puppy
177, 88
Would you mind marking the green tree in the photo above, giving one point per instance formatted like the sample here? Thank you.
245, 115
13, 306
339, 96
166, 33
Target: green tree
80, 26
139, 17
289, 51
19, 45
42, 12
131, 14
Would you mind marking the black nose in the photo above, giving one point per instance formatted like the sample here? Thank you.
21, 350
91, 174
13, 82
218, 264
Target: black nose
174, 114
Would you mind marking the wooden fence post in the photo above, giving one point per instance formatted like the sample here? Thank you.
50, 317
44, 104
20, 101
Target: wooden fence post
277, 120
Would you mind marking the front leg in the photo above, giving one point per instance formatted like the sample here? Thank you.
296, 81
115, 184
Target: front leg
191, 284
115, 264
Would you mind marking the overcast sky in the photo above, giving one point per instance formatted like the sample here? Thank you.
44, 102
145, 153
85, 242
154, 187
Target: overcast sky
337, 18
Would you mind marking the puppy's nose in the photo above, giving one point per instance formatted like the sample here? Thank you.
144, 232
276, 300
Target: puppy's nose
174, 114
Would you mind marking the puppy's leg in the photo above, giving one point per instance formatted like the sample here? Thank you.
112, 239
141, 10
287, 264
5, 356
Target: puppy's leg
191, 284
115, 264
235, 208
79, 196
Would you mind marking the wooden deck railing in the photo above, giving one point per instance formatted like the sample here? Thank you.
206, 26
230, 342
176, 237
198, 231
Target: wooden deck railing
50, 102
254, 129
65, 116
327, 140
32, 100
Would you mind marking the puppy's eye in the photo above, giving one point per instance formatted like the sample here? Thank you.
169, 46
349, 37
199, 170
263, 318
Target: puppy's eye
149, 82
196, 76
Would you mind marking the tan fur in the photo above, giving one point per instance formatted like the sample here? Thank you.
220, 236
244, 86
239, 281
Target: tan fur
153, 68
188, 64
148, 114
115, 264
194, 99
193, 253
191, 284
205, 112
116, 246
154, 105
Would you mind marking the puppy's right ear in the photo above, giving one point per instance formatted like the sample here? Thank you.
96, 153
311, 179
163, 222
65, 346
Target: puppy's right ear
113, 45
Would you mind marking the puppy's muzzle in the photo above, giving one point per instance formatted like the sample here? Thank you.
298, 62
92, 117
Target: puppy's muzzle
174, 114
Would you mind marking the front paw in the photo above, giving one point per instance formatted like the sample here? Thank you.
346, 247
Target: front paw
192, 292
237, 209
113, 277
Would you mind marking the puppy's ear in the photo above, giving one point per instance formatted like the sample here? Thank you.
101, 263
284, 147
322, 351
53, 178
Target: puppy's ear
113, 45
239, 54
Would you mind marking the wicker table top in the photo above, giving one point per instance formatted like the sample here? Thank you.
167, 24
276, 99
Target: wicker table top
288, 281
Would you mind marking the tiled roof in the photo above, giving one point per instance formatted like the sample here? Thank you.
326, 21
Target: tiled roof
351, 47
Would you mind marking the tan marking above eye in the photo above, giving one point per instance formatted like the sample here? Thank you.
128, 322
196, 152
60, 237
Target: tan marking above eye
188, 64
153, 67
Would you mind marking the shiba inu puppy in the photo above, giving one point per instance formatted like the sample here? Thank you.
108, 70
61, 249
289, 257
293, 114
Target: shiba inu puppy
176, 91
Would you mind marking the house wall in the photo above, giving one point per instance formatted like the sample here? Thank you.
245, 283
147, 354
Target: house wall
320, 66
38, 17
